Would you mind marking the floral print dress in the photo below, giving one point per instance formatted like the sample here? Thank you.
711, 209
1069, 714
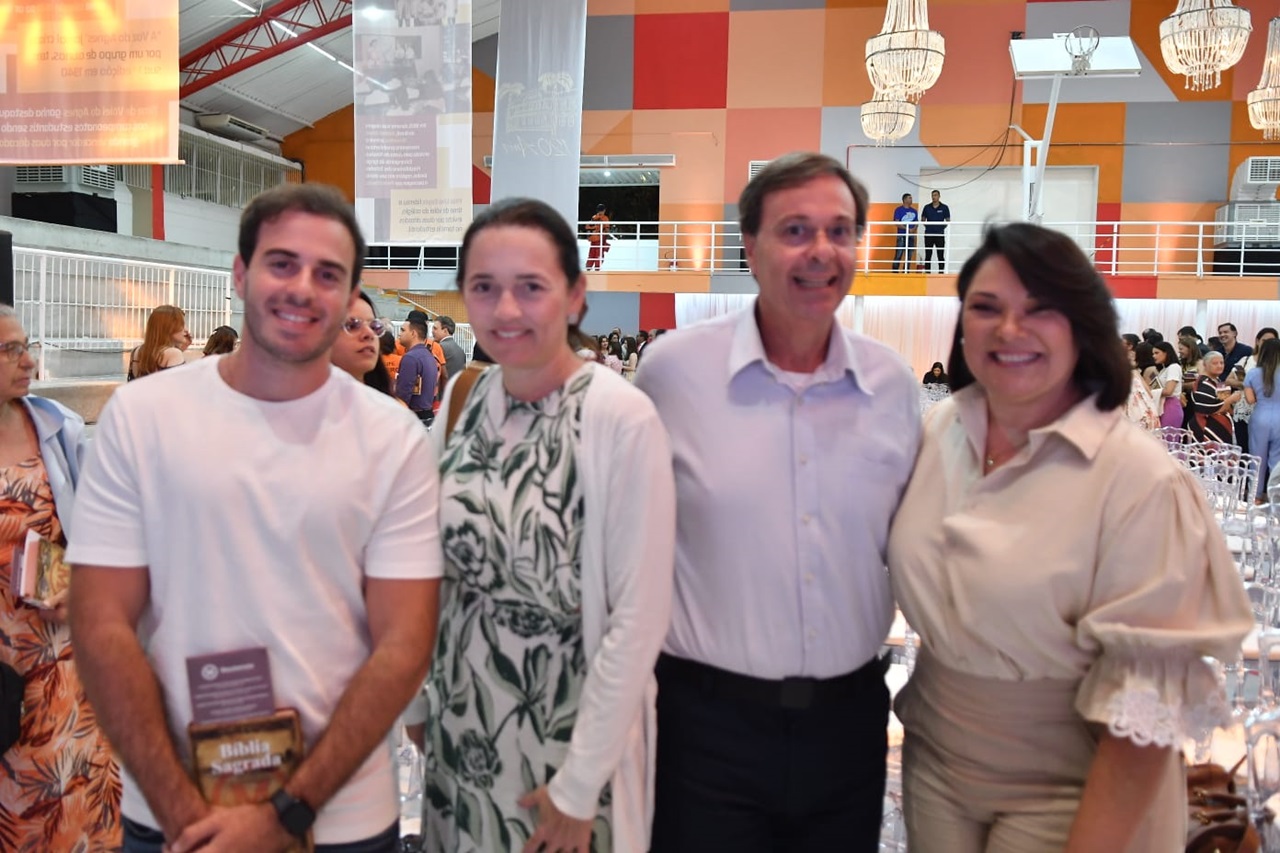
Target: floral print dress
509, 663
59, 787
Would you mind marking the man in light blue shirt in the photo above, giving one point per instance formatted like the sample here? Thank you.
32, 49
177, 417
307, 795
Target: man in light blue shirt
793, 439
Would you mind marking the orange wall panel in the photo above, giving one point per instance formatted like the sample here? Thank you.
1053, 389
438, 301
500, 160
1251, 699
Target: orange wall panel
327, 150
483, 91
957, 133
844, 69
1084, 123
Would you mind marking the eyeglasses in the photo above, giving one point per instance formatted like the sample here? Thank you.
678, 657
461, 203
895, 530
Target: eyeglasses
15, 350
353, 324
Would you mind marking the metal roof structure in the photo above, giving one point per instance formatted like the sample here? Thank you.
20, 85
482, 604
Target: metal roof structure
281, 65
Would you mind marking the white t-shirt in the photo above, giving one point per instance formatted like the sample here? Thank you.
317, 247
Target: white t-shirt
1170, 373
258, 522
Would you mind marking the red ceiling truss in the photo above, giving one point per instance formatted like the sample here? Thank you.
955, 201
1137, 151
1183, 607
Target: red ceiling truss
259, 39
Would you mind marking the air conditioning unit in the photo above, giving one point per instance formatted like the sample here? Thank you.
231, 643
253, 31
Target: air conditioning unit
230, 127
1256, 179
90, 180
755, 167
1248, 223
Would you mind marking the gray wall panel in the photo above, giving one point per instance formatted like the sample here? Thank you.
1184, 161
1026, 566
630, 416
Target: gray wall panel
606, 310
729, 283
1176, 174
610, 50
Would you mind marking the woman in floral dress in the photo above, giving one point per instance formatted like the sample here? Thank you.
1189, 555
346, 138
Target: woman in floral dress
59, 788
558, 522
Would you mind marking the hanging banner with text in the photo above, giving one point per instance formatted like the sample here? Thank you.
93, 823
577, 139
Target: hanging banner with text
413, 120
537, 125
88, 81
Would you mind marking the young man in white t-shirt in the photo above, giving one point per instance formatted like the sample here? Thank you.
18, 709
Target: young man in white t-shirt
261, 500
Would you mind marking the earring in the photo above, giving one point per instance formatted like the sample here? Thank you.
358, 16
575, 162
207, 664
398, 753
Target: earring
573, 319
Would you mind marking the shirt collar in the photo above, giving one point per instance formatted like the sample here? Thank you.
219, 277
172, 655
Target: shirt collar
747, 348
1082, 426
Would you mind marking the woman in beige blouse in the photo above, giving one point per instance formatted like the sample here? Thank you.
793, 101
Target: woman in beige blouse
1064, 576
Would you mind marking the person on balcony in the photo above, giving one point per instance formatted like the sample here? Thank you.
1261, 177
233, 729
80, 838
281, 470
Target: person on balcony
598, 236
935, 216
906, 217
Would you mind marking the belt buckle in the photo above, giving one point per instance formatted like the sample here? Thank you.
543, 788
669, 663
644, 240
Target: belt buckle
796, 693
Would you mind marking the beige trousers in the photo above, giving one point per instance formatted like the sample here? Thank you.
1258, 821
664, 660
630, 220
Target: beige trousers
995, 766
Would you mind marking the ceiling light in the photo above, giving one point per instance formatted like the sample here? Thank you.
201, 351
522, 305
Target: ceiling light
608, 174
1203, 38
1264, 101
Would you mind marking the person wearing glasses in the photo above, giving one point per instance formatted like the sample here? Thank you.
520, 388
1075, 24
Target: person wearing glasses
61, 763
358, 350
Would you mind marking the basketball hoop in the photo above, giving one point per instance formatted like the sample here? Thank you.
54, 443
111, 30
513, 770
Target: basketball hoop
1080, 44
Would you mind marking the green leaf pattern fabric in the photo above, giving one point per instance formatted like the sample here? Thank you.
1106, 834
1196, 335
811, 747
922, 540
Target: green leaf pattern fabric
509, 662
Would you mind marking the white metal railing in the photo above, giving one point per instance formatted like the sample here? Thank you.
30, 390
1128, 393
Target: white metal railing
1117, 248
74, 302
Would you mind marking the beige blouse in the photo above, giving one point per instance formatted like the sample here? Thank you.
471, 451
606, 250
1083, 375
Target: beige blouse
1091, 554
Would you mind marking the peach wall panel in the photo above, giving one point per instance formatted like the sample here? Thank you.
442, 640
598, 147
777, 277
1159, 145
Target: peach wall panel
775, 58
607, 132
844, 70
763, 135
697, 139
977, 69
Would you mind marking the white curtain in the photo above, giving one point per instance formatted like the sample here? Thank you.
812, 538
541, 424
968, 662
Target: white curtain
694, 307
1166, 316
919, 328
1248, 316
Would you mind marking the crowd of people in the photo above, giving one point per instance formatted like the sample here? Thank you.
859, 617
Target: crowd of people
648, 615
1222, 390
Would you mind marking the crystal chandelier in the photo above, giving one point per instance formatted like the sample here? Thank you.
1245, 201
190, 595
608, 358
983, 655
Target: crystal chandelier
1203, 38
905, 59
1264, 101
886, 119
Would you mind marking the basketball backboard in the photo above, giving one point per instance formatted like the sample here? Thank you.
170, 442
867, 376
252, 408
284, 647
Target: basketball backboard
1115, 56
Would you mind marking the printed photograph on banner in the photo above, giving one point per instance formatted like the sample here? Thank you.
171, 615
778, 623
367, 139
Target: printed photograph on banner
412, 75
89, 82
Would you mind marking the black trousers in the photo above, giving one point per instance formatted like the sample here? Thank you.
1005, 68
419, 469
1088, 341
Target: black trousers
939, 242
744, 776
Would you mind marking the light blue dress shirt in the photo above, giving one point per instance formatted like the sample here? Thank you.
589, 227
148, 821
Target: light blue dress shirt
784, 495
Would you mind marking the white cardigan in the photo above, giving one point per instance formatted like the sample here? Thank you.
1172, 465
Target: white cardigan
628, 554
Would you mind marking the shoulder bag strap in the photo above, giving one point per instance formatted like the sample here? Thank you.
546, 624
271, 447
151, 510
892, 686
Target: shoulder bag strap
461, 392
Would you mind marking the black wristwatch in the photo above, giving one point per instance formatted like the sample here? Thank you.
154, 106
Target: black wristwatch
294, 814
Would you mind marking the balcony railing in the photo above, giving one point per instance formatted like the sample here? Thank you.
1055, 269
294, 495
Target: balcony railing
1117, 248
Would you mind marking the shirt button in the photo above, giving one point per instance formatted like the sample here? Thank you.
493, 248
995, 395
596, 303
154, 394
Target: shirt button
804, 519
808, 577
804, 460
812, 634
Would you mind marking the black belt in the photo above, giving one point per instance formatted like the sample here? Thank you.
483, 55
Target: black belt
794, 694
